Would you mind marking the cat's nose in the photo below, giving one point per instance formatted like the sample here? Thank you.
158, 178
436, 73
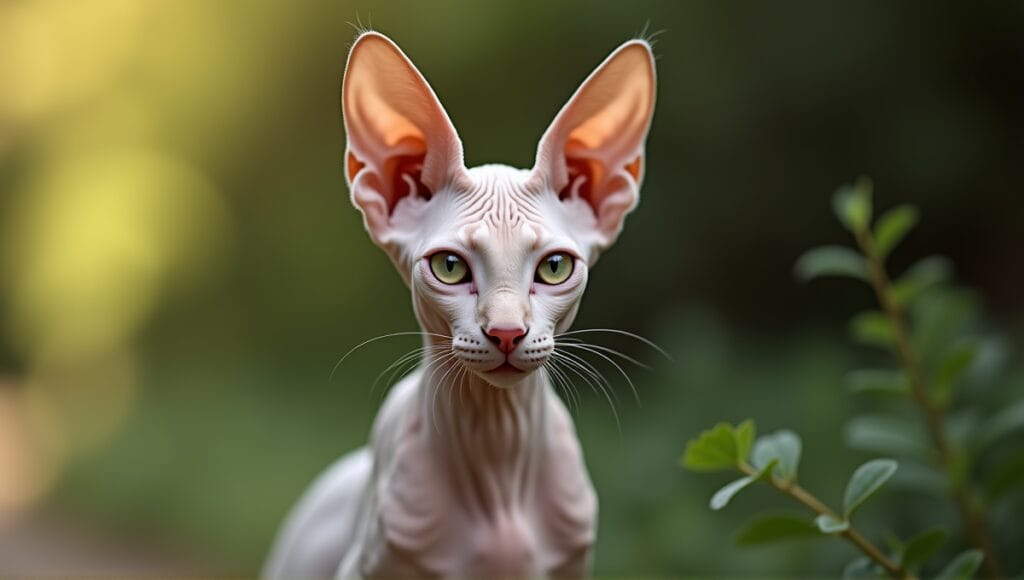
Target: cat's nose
506, 339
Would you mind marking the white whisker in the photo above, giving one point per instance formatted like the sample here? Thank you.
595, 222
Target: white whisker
553, 380
597, 387
452, 364
577, 343
382, 337
622, 372
402, 364
570, 389
590, 368
620, 332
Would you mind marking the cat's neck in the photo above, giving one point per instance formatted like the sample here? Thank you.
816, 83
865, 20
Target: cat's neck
490, 439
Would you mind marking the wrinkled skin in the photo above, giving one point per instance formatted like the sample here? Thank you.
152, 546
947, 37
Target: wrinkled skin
473, 467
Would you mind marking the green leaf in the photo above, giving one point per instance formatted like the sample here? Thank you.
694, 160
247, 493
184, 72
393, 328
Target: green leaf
923, 546
887, 434
866, 480
783, 446
776, 528
724, 495
744, 435
852, 204
878, 381
993, 355
920, 277
872, 328
938, 317
830, 524
963, 566
962, 426
1001, 424
894, 543
892, 227
1007, 477
862, 567
952, 367
719, 448
830, 261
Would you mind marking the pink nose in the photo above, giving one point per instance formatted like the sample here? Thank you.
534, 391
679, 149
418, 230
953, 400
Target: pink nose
506, 339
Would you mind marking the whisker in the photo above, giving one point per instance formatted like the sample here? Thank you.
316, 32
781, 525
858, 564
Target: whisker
562, 382
551, 378
457, 379
400, 373
620, 332
622, 372
400, 365
397, 364
590, 368
572, 385
577, 343
437, 364
598, 388
462, 400
453, 365
382, 337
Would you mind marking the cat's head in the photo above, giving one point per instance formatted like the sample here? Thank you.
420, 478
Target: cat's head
496, 257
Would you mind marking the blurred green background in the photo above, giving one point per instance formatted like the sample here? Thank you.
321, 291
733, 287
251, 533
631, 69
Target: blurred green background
180, 267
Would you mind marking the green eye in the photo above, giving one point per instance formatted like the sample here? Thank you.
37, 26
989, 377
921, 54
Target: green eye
449, 268
555, 268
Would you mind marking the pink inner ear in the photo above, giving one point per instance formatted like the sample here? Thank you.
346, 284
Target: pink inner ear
353, 166
634, 167
583, 173
405, 173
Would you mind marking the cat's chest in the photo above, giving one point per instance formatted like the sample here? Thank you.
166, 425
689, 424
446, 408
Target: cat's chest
433, 524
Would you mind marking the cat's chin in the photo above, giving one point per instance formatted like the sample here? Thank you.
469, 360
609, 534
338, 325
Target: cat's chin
505, 376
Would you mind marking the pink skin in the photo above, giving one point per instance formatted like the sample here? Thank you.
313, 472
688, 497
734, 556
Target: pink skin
473, 467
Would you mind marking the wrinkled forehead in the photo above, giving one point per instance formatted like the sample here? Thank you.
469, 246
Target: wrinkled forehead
495, 240
501, 218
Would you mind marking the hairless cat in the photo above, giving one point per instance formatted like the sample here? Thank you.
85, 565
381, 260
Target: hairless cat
473, 467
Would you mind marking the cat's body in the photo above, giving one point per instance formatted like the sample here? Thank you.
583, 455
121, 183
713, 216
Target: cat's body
474, 468
438, 508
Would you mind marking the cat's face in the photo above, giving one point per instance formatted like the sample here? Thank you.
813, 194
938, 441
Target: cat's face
496, 257
498, 269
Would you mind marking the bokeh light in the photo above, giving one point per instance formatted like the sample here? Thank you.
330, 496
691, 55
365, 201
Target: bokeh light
180, 267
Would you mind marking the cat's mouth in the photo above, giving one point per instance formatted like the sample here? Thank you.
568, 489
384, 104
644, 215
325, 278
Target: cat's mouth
506, 368
504, 376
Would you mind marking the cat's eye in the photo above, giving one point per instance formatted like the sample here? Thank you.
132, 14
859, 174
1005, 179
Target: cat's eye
449, 268
555, 268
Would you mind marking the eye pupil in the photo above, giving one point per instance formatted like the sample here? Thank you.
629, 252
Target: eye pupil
555, 269
449, 268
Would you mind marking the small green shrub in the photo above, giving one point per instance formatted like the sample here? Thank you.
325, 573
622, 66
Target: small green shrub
929, 327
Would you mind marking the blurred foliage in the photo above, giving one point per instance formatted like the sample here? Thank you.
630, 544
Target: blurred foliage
180, 266
938, 430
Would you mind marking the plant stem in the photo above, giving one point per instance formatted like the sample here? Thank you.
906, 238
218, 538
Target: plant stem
933, 414
791, 489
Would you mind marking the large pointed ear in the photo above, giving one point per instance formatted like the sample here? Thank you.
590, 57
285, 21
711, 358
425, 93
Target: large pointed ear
594, 150
401, 144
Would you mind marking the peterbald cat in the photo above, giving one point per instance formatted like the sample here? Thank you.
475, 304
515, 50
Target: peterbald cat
473, 468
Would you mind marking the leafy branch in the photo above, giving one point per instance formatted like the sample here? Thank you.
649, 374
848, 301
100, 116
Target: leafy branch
889, 328
925, 325
774, 460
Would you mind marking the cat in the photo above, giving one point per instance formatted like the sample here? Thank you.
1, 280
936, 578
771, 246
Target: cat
473, 467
